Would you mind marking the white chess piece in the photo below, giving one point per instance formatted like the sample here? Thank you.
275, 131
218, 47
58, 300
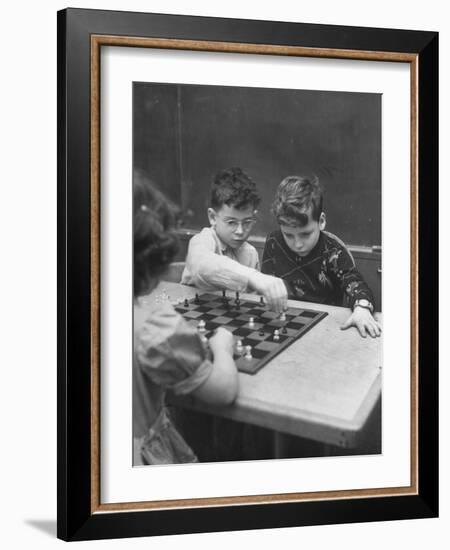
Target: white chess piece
248, 352
276, 334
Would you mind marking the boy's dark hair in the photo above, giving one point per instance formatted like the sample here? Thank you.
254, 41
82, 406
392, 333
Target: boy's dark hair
154, 233
295, 196
234, 188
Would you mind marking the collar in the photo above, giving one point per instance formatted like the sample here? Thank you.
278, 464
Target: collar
222, 246
313, 253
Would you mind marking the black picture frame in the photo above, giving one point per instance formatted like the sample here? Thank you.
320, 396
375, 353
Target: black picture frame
79, 517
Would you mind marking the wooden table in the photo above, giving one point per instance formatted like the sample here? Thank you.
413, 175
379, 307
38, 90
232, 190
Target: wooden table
323, 387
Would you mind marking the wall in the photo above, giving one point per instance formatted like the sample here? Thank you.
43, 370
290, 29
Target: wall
184, 134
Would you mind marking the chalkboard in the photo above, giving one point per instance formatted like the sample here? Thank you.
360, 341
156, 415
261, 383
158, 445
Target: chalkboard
156, 136
183, 134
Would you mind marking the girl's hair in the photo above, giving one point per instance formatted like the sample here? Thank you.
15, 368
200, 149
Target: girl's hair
235, 189
295, 196
154, 232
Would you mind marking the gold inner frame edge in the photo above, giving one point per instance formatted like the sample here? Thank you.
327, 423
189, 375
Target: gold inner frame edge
97, 41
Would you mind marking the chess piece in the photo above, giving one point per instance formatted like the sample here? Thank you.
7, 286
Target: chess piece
261, 301
186, 302
282, 316
248, 352
284, 330
261, 332
197, 299
239, 347
251, 322
225, 299
201, 326
276, 334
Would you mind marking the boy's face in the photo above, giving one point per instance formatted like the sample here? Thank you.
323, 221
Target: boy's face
232, 226
302, 240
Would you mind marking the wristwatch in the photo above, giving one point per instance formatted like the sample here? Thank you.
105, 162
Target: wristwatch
363, 303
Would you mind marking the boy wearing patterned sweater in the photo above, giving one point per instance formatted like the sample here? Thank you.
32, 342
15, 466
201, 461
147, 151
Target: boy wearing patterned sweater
315, 265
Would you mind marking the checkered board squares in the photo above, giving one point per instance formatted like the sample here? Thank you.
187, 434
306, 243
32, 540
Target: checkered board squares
217, 313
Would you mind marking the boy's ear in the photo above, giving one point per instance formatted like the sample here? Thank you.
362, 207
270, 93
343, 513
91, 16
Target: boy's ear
212, 216
322, 221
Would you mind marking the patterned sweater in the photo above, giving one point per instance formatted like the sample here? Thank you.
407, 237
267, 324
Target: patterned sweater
327, 275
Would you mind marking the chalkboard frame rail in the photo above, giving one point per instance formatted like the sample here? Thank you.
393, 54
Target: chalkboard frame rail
81, 35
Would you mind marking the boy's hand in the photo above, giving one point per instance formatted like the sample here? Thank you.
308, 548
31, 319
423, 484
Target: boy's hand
362, 319
222, 341
272, 288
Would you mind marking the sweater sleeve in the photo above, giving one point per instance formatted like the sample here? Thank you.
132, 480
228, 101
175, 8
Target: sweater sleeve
206, 269
341, 267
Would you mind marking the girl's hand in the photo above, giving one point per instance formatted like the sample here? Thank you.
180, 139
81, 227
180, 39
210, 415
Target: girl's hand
362, 319
221, 341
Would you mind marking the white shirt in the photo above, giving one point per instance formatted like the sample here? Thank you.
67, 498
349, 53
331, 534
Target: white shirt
212, 265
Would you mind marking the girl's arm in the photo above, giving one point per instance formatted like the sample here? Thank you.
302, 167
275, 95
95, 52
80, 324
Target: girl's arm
221, 386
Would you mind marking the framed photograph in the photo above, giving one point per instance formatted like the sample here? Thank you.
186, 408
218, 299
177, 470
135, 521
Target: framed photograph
247, 274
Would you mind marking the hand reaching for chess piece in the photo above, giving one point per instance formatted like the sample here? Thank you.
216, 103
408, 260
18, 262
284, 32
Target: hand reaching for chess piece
272, 288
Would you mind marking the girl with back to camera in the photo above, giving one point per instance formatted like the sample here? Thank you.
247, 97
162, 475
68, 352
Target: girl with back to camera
167, 353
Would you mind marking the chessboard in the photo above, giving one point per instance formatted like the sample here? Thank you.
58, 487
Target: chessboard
259, 333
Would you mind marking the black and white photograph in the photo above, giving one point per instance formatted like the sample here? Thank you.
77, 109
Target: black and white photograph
224, 308
257, 273
246, 285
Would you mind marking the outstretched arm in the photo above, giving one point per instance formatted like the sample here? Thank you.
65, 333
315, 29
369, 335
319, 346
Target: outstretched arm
207, 268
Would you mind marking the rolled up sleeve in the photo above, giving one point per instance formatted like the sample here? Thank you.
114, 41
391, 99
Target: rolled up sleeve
206, 269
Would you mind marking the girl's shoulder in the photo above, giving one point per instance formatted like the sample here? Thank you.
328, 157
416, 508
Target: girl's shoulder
155, 323
160, 326
169, 349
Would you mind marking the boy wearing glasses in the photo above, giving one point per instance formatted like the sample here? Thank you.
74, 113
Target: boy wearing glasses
219, 257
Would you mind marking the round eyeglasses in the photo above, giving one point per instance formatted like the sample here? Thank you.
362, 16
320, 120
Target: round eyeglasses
234, 225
